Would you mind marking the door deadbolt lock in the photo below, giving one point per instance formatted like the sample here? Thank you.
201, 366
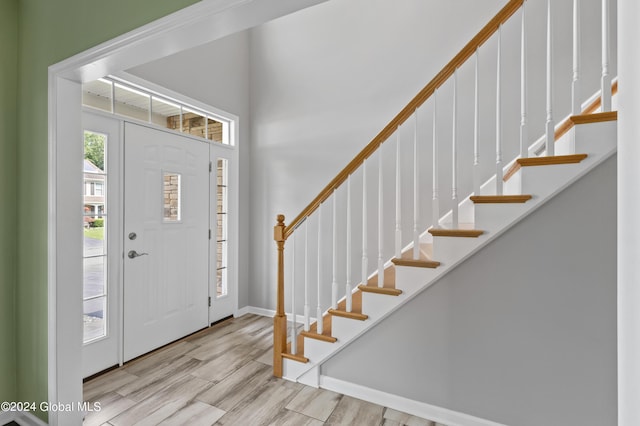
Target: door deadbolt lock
132, 236
133, 254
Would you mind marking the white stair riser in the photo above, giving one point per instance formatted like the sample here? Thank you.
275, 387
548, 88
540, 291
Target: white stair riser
377, 305
492, 217
344, 329
316, 350
566, 145
451, 249
596, 137
410, 280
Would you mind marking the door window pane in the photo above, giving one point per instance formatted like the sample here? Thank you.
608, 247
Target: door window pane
95, 232
95, 259
214, 130
95, 325
95, 274
171, 194
98, 94
193, 123
165, 113
131, 102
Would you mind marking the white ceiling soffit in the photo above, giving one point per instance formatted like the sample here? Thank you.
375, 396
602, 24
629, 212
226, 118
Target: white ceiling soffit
201, 23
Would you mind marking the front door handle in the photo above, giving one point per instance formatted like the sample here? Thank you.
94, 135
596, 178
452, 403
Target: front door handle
133, 254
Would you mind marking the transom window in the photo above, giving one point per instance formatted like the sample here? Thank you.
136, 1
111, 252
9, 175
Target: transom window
118, 97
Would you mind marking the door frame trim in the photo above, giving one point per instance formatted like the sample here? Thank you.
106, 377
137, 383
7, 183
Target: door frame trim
203, 22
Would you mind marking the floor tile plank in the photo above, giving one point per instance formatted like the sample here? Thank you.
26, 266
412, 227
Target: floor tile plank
196, 413
232, 390
406, 419
107, 383
263, 404
291, 418
163, 403
111, 405
351, 411
316, 403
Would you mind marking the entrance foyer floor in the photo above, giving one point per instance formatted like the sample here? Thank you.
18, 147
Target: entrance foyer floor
222, 376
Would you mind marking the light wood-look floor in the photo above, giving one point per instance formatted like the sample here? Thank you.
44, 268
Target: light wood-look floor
222, 376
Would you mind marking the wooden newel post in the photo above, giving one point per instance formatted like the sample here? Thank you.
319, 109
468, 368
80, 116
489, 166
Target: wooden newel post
280, 319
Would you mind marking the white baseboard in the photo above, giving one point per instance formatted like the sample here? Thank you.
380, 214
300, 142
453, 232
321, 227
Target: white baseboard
20, 417
399, 403
268, 313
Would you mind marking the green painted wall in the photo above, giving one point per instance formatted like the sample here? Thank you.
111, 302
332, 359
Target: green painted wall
50, 31
8, 187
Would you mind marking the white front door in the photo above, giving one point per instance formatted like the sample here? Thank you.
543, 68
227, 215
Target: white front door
166, 238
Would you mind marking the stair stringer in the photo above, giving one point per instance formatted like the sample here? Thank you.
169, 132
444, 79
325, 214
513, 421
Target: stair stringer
598, 140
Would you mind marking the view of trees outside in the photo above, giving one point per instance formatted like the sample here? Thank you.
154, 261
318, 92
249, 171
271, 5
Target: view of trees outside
94, 148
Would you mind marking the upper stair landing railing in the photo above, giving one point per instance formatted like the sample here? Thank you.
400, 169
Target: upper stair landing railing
312, 245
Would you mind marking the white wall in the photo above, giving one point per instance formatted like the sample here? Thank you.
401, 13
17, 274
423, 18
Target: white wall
522, 333
216, 74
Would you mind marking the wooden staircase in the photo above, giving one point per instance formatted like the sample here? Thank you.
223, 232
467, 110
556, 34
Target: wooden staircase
580, 142
425, 261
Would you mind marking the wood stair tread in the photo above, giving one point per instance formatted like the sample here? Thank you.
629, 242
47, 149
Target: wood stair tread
389, 278
463, 233
326, 331
550, 161
423, 261
356, 308
597, 117
389, 287
299, 358
299, 355
542, 161
419, 263
500, 199
380, 290
589, 111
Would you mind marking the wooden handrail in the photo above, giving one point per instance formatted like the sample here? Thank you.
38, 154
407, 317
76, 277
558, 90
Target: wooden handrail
485, 33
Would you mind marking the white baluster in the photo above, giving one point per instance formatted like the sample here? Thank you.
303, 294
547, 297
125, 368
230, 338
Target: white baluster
294, 342
499, 183
380, 224
576, 107
435, 205
307, 309
606, 78
476, 128
398, 241
550, 131
524, 134
416, 192
348, 285
319, 324
334, 278
454, 156
365, 231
